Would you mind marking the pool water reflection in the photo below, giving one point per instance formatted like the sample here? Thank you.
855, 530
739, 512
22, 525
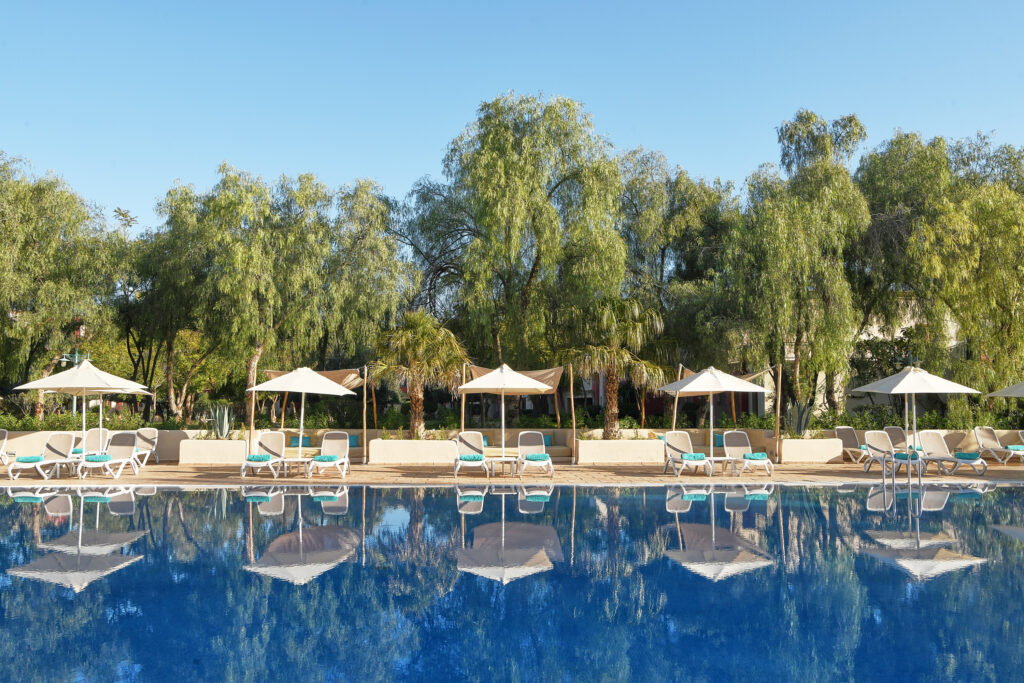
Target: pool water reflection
508, 582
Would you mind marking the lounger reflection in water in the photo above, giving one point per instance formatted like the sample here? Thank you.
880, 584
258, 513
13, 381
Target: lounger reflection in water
470, 498
333, 500
532, 498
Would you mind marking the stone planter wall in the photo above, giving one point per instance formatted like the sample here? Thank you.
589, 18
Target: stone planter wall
620, 451
213, 452
412, 452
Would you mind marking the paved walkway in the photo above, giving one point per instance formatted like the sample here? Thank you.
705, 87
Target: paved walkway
171, 474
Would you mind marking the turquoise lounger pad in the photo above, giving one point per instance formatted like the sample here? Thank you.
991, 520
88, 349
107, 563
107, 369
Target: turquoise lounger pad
538, 499
29, 459
77, 451
863, 447
325, 499
257, 499
325, 458
99, 457
353, 440
700, 497
547, 439
1015, 447
258, 457
294, 441
471, 499
756, 496
29, 499
537, 457
720, 440
96, 499
692, 456
485, 441
661, 437
967, 456
755, 456
471, 457
905, 456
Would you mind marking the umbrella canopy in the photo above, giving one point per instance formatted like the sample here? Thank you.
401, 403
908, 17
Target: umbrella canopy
506, 552
1014, 532
926, 563
504, 381
350, 379
1016, 391
711, 381
915, 381
92, 542
303, 381
73, 571
301, 556
717, 554
909, 540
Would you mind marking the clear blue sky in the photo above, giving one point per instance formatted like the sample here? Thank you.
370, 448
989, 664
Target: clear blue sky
122, 99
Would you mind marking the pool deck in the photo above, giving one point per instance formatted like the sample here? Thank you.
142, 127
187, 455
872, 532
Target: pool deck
394, 476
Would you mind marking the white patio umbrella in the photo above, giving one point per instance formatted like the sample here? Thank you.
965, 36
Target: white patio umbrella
303, 381
506, 552
299, 557
85, 379
909, 540
912, 381
717, 554
503, 381
711, 381
1015, 391
925, 563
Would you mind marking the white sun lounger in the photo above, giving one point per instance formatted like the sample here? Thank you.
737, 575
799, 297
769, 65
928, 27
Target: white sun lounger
269, 454
532, 453
738, 450
145, 446
120, 453
988, 442
333, 453
680, 455
937, 450
852, 447
469, 452
3, 446
56, 452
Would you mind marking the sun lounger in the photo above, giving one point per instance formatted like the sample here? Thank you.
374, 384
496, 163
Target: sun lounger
738, 450
56, 452
3, 446
95, 441
988, 442
269, 454
937, 450
58, 505
333, 501
122, 504
119, 453
852, 447
470, 499
469, 452
531, 499
680, 455
333, 453
532, 453
145, 446
879, 499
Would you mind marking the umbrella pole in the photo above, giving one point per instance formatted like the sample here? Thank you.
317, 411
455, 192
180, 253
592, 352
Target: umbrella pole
503, 448
711, 429
572, 412
101, 424
83, 423
302, 417
675, 401
462, 401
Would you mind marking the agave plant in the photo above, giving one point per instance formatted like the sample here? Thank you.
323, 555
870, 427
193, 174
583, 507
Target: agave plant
221, 418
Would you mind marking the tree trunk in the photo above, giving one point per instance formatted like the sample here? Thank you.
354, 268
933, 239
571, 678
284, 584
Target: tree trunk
251, 368
611, 403
47, 371
172, 398
416, 428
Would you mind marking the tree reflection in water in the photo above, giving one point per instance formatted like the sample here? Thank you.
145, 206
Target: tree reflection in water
612, 597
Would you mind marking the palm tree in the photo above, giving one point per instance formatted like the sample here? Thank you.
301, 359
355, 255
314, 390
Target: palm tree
420, 352
614, 334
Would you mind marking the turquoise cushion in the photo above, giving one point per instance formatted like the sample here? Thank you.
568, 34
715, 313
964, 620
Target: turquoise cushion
538, 499
863, 447
325, 458
325, 499
98, 457
695, 496
258, 457
1015, 447
485, 441
537, 457
96, 499
967, 456
470, 499
29, 459
77, 451
756, 496
755, 456
547, 439
471, 457
353, 441
903, 495
661, 436
29, 499
692, 456
257, 499
720, 440
294, 441
905, 456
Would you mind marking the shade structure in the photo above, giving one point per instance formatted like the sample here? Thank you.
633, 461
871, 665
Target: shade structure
717, 554
92, 542
911, 381
1015, 391
909, 540
926, 563
303, 381
508, 551
301, 556
505, 381
548, 378
708, 382
73, 571
350, 379
85, 379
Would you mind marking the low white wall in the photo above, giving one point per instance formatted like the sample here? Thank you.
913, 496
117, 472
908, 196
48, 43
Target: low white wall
812, 450
412, 452
620, 451
213, 452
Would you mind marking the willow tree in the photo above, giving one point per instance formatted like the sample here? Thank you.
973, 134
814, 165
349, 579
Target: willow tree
54, 275
419, 353
787, 263
524, 224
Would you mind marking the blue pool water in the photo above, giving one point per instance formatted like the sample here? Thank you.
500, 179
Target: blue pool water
507, 584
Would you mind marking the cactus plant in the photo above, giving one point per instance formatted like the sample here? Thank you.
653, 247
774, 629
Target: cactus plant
798, 416
222, 417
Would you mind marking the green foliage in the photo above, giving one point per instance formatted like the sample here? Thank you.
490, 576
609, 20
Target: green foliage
393, 419
537, 421
221, 420
798, 417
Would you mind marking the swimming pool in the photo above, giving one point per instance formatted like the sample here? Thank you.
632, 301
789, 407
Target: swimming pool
508, 583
